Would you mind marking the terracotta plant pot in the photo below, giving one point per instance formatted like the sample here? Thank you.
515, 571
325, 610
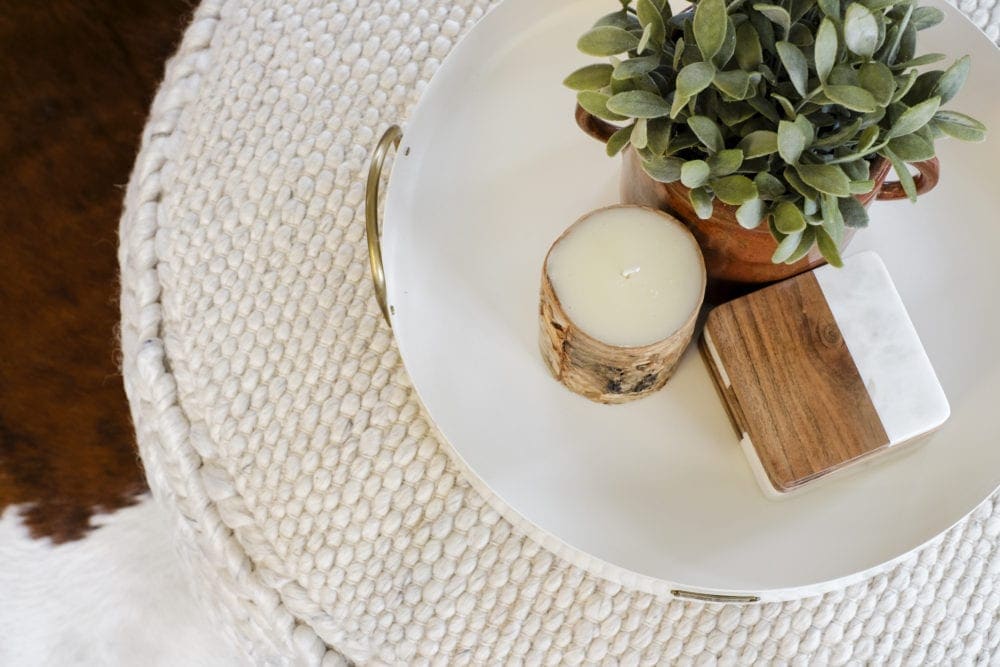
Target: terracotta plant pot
734, 254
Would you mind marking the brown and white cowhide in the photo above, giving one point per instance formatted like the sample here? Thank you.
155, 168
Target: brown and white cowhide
88, 574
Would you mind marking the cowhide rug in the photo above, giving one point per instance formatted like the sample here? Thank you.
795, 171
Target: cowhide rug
88, 573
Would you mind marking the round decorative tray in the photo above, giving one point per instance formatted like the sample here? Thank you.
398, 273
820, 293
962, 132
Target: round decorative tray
657, 494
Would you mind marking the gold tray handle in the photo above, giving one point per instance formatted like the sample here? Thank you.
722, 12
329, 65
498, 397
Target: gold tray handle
390, 139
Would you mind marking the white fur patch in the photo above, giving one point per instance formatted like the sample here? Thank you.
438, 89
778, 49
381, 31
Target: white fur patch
120, 596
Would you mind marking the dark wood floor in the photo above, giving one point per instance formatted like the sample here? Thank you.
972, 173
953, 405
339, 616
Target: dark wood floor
76, 80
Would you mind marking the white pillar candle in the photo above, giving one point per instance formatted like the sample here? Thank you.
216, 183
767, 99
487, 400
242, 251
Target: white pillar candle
621, 290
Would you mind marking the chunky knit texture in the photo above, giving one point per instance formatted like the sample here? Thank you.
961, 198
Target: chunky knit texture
278, 426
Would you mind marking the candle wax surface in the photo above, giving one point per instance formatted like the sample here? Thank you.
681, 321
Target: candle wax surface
627, 276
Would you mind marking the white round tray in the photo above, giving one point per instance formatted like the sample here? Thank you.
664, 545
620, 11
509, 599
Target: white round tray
656, 494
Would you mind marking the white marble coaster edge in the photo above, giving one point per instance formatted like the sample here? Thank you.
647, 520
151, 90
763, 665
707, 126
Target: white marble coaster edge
887, 351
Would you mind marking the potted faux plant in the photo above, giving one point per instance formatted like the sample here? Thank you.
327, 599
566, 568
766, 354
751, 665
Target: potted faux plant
768, 128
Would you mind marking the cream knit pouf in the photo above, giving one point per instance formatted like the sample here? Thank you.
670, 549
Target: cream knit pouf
276, 423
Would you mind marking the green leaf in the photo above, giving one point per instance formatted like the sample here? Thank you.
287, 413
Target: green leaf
681, 140
794, 180
800, 35
788, 218
639, 104
912, 148
894, 37
903, 174
828, 178
710, 20
707, 132
904, 84
930, 132
748, 52
695, 173
907, 45
828, 248
926, 17
796, 65
591, 77
851, 97
877, 79
750, 214
618, 140
860, 30
764, 108
678, 53
765, 31
734, 83
785, 105
768, 186
809, 208
873, 118
597, 104
791, 142
923, 87
761, 142
842, 75
725, 53
725, 162
658, 135
952, 80
734, 113
853, 212
633, 67
639, 137
833, 221
867, 138
622, 19
776, 14
650, 18
663, 87
691, 80
925, 59
841, 136
701, 200
786, 247
694, 78
914, 118
735, 190
805, 245
647, 36
641, 82
607, 40
856, 170
825, 50
806, 128
663, 169
862, 187
831, 8
960, 126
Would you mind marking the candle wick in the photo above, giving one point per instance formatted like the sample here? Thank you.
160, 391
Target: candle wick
628, 273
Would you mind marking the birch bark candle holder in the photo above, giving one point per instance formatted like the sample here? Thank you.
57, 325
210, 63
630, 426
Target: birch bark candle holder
621, 290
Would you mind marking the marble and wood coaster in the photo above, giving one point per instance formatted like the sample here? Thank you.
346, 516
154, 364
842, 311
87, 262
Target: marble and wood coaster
822, 371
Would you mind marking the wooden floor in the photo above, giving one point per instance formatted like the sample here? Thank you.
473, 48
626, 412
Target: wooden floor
76, 80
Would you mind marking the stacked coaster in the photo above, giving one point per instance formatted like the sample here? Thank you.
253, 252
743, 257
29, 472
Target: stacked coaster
822, 371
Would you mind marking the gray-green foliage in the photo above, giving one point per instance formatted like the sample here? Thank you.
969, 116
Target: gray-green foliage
777, 108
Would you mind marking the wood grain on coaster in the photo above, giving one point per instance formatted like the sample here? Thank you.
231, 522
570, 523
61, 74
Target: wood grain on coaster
797, 390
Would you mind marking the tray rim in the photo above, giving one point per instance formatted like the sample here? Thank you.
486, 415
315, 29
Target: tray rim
575, 555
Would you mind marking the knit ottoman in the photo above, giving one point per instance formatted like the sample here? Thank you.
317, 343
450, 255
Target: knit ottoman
312, 501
